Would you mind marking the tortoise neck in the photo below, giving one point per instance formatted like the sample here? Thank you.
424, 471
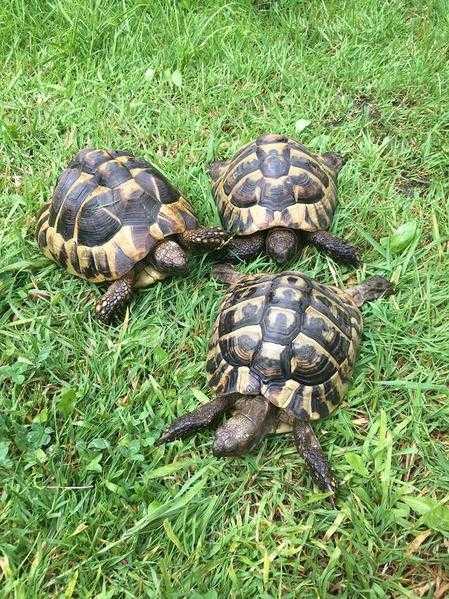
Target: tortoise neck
371, 289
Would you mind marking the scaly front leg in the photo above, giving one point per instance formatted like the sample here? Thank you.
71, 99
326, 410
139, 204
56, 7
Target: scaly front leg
116, 298
196, 420
309, 447
337, 248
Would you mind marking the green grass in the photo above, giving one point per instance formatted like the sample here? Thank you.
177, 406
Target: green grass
88, 507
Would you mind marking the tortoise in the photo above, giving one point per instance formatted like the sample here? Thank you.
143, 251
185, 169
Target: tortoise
275, 195
116, 218
281, 355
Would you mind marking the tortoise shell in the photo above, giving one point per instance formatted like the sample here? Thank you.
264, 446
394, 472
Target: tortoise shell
108, 211
288, 338
275, 182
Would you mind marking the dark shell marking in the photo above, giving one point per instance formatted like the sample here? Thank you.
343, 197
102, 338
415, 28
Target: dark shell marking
275, 181
288, 338
109, 209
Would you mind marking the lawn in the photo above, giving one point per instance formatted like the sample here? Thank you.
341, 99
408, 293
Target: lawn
88, 506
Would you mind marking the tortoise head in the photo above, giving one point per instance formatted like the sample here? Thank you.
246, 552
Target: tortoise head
252, 419
334, 161
169, 256
282, 244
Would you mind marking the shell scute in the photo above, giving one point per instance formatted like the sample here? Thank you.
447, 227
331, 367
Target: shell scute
245, 313
246, 193
246, 166
274, 163
311, 166
89, 159
280, 324
65, 182
239, 346
66, 219
112, 174
309, 364
269, 361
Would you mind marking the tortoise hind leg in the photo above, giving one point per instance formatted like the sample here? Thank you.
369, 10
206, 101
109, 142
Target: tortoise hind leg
116, 298
195, 420
309, 448
337, 248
